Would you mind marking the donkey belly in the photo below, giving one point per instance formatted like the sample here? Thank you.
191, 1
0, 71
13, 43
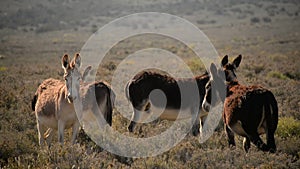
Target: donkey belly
50, 122
69, 118
238, 129
171, 113
261, 128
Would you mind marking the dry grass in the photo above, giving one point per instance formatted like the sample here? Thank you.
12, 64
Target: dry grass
19, 145
271, 58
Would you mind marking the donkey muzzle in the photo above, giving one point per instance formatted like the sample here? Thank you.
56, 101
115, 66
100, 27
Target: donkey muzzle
70, 98
131, 126
205, 106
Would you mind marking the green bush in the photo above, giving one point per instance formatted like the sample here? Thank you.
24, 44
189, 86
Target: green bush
278, 75
288, 127
196, 65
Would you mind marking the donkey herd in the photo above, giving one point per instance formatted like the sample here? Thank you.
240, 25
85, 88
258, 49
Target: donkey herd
249, 111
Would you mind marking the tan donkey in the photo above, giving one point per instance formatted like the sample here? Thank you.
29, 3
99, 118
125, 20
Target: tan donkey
53, 101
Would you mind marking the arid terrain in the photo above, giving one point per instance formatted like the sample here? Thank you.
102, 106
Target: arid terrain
35, 34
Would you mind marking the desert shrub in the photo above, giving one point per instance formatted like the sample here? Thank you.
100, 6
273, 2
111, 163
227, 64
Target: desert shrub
94, 28
196, 65
66, 156
202, 22
110, 66
292, 75
2, 68
290, 145
153, 163
7, 98
259, 68
278, 75
13, 145
46, 28
267, 19
255, 20
236, 10
287, 127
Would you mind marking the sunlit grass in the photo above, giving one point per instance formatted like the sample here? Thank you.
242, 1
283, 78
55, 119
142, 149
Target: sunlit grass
288, 127
278, 75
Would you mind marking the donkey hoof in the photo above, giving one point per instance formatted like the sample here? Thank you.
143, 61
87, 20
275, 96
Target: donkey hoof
196, 132
264, 147
231, 146
272, 150
130, 129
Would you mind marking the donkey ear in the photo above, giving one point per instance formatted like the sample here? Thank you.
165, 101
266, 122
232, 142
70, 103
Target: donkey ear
213, 70
76, 61
65, 61
236, 62
86, 72
224, 60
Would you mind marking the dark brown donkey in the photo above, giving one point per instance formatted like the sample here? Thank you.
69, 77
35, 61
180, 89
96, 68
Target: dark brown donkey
249, 111
143, 86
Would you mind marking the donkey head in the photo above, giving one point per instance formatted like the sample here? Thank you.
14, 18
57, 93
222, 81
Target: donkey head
215, 90
216, 87
229, 68
72, 76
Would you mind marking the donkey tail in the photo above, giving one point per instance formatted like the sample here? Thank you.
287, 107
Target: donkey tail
110, 105
274, 111
33, 101
272, 120
47, 133
127, 90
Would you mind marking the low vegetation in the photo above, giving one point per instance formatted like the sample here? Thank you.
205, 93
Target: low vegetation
288, 127
19, 143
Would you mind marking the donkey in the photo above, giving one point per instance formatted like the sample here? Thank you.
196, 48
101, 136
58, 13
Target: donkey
53, 101
249, 111
138, 92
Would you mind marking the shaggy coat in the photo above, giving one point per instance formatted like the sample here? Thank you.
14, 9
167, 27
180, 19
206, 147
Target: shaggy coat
249, 111
53, 102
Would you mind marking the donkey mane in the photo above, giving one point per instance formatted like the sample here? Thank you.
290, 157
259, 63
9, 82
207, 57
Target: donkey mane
243, 90
149, 73
163, 77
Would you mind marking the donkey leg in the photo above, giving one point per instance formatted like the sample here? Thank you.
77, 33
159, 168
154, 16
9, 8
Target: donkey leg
251, 132
40, 133
61, 129
246, 144
256, 140
271, 141
137, 115
230, 135
48, 136
270, 130
197, 126
75, 130
99, 116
